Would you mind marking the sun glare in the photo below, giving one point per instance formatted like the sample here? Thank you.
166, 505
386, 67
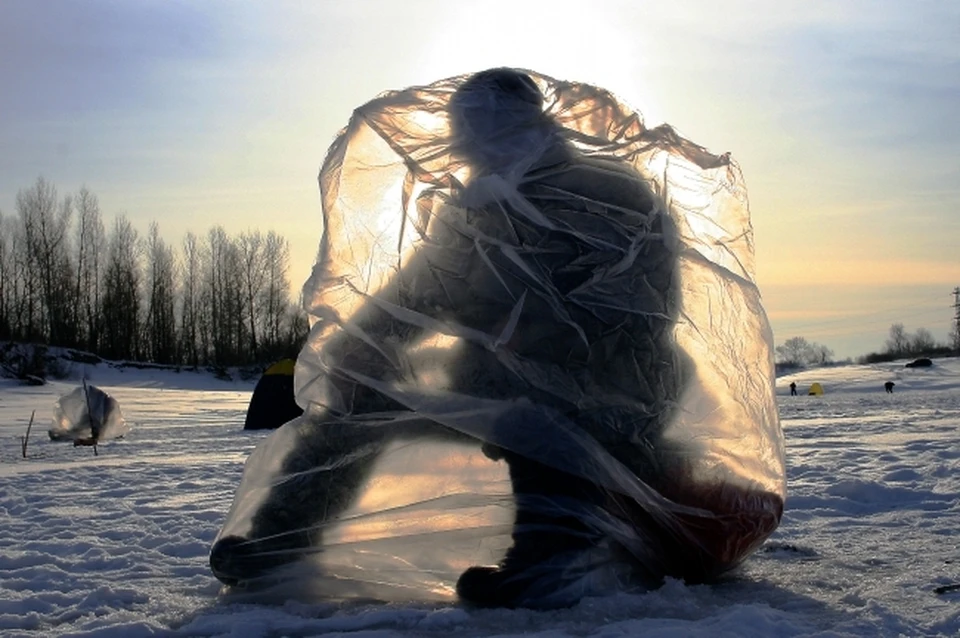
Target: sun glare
547, 38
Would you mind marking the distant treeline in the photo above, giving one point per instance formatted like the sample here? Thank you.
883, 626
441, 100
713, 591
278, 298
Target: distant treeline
797, 352
902, 345
216, 300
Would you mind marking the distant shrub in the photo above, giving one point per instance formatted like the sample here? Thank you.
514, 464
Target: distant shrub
786, 368
56, 367
249, 373
25, 361
884, 357
79, 356
220, 372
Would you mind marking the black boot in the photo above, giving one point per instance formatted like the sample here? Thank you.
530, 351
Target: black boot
551, 538
234, 560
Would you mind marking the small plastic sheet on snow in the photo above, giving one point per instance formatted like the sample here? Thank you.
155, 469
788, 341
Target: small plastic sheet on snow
87, 414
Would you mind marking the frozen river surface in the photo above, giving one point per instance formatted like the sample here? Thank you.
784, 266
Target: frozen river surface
116, 544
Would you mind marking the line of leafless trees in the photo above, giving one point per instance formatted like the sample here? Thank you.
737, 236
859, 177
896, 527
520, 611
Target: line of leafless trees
797, 352
66, 280
902, 344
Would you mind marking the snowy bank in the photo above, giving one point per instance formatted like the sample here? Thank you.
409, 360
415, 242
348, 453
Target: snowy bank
116, 545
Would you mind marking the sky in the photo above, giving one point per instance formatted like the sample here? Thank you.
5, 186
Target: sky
841, 116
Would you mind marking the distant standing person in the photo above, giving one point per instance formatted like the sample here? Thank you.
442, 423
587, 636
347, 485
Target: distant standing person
888, 386
793, 389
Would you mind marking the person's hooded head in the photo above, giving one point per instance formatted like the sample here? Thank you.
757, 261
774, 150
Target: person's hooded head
497, 120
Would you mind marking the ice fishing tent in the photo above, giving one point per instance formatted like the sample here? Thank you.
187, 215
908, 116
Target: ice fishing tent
273, 402
87, 414
536, 342
815, 390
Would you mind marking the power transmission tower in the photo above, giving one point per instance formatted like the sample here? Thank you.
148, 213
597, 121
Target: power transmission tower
956, 319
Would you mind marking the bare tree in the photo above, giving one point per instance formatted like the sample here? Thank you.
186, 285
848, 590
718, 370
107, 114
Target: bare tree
922, 341
191, 302
296, 329
160, 326
821, 354
899, 341
227, 326
955, 331
91, 242
63, 299
276, 295
121, 292
22, 296
793, 351
253, 279
6, 278
45, 225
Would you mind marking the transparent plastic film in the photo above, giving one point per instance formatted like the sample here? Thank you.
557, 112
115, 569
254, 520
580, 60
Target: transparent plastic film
538, 364
87, 414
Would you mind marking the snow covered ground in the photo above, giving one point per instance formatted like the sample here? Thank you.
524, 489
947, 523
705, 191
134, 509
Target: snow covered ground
116, 544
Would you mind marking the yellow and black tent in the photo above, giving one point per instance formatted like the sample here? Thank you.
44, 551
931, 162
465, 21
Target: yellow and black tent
272, 403
815, 390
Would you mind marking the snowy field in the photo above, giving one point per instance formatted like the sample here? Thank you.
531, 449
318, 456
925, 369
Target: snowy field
116, 544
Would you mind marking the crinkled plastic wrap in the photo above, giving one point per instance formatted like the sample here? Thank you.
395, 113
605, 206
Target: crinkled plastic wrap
538, 364
87, 414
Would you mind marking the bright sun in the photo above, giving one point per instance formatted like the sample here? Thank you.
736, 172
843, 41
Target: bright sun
560, 38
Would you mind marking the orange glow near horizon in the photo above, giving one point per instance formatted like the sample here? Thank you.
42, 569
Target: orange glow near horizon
859, 272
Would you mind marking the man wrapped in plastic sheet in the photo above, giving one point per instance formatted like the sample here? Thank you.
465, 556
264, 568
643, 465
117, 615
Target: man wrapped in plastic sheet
518, 265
